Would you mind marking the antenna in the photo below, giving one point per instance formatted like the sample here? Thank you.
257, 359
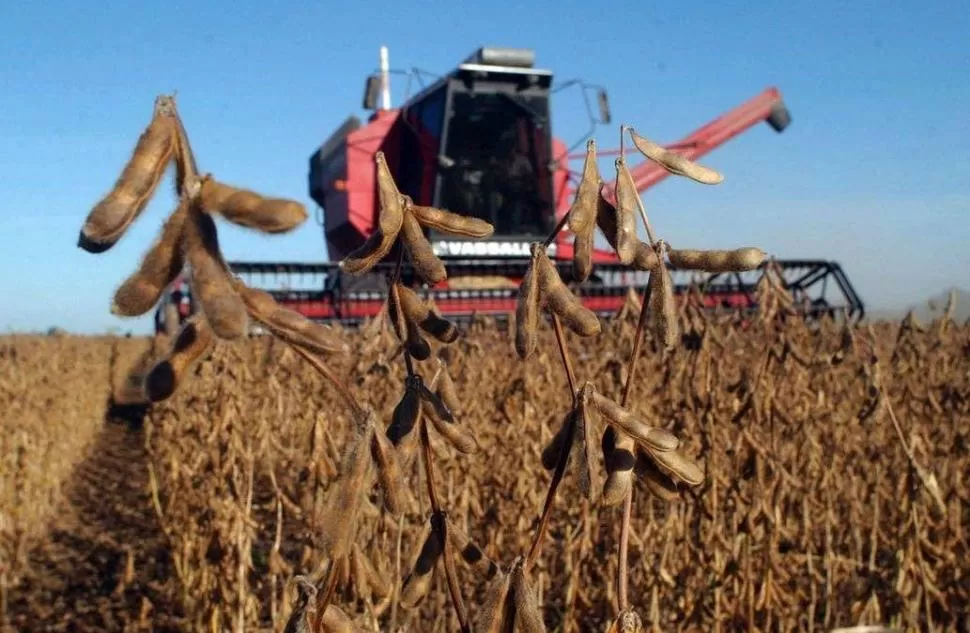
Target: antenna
385, 81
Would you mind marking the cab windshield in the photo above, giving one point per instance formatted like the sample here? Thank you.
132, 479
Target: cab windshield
500, 151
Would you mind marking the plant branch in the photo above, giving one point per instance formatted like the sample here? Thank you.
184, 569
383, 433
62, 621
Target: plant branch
559, 226
324, 597
624, 546
564, 353
643, 211
557, 477
563, 458
325, 371
428, 459
439, 515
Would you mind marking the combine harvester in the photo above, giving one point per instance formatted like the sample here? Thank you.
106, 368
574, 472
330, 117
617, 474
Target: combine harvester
478, 141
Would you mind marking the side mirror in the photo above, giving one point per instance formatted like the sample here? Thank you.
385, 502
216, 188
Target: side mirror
604, 105
372, 92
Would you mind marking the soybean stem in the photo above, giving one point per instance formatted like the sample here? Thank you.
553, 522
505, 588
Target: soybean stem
624, 547
564, 353
646, 222
555, 231
563, 459
329, 375
643, 212
324, 598
452, 579
438, 513
429, 467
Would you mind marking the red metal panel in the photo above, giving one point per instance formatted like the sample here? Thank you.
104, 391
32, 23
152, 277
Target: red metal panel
563, 194
483, 304
362, 144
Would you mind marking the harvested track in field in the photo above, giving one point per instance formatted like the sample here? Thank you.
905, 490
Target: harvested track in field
104, 562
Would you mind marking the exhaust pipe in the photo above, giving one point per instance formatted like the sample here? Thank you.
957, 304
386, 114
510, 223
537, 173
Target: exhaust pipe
385, 80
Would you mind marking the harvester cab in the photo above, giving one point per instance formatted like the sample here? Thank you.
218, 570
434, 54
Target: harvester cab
478, 141
495, 145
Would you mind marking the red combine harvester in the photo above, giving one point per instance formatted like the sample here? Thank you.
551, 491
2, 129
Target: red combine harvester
478, 141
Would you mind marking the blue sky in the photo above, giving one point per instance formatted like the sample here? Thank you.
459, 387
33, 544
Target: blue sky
874, 171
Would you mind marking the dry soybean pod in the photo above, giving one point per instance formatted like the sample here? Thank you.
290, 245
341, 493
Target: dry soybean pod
418, 582
560, 300
358, 575
643, 257
367, 255
426, 264
346, 494
656, 481
494, 610
420, 313
717, 261
451, 223
390, 473
446, 389
390, 220
417, 347
649, 436
289, 325
582, 214
583, 255
527, 308
458, 436
528, 616
678, 466
334, 620
160, 266
674, 162
662, 305
366, 574
439, 327
210, 281
470, 553
582, 448
293, 327
186, 169
624, 212
249, 209
406, 412
392, 204
436, 403
191, 343
565, 434
116, 211
618, 455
